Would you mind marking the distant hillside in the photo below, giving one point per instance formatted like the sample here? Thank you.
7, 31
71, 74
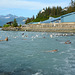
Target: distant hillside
10, 17
47, 12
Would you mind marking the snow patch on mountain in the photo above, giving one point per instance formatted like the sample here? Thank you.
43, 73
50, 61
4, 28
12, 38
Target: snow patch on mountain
7, 18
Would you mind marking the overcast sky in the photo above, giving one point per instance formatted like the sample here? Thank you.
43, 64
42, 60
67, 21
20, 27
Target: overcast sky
28, 8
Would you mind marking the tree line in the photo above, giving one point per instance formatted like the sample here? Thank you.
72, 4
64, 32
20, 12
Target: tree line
52, 12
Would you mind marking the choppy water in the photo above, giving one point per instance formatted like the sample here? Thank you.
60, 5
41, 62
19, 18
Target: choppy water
26, 54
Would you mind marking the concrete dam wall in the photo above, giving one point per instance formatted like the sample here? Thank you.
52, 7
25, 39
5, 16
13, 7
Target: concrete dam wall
54, 27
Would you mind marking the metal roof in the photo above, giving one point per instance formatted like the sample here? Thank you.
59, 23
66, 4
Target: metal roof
34, 23
67, 14
47, 21
58, 18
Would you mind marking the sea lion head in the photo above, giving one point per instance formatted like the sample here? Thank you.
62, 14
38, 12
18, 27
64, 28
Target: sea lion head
6, 39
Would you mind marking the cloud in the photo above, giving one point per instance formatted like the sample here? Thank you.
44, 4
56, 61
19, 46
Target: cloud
23, 4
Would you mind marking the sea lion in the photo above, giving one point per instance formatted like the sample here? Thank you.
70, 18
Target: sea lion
22, 33
68, 42
1, 40
52, 50
6, 39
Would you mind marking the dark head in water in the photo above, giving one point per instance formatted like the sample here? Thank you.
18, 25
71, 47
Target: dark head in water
22, 33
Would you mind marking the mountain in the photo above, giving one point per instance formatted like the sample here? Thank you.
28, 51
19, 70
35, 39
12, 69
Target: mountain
10, 17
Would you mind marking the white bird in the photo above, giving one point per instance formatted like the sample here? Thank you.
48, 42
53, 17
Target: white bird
51, 36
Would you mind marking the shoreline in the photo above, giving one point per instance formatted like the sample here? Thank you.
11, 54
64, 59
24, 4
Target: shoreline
45, 27
38, 30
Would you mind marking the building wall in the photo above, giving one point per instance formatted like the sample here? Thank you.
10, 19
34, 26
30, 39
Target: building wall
69, 18
69, 25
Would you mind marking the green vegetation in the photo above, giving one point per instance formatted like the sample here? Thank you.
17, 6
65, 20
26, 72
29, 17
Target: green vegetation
6, 25
52, 12
0, 26
30, 20
20, 25
15, 23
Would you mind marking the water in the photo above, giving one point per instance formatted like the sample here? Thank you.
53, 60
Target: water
0, 28
27, 54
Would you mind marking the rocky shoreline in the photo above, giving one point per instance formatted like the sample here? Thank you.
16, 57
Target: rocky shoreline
11, 29
36, 29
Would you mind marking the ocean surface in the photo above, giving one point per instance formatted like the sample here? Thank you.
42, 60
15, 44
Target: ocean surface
27, 53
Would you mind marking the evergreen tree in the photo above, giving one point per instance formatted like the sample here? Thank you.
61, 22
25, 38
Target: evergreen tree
15, 23
33, 17
53, 11
57, 10
72, 3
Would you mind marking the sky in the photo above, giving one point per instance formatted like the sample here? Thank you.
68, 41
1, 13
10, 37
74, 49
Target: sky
28, 8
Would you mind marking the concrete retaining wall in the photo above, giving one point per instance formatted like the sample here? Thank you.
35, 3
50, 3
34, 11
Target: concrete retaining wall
70, 25
47, 27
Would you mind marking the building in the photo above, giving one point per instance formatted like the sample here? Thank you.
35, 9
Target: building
10, 23
47, 21
56, 20
42, 11
34, 23
65, 9
70, 17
